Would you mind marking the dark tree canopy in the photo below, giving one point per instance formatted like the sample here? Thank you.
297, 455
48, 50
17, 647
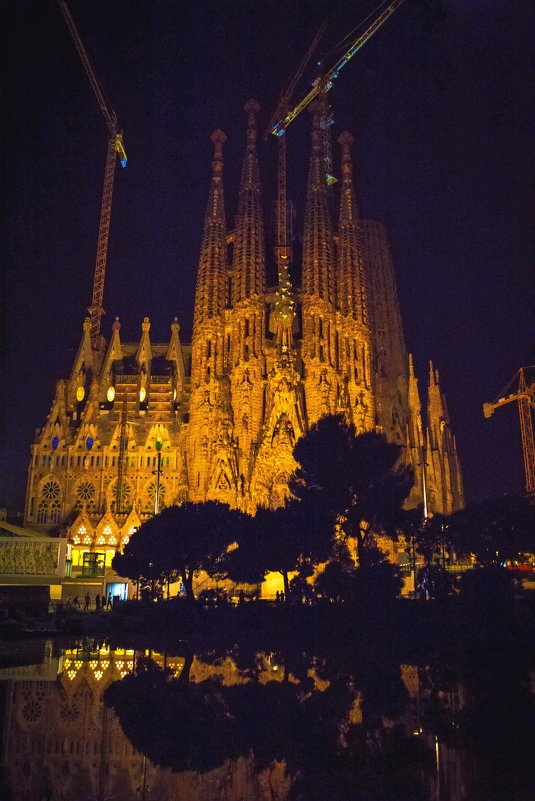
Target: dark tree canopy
279, 540
358, 480
181, 540
494, 531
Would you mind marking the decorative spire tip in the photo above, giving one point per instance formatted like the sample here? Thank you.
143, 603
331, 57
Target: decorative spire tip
218, 136
346, 138
251, 107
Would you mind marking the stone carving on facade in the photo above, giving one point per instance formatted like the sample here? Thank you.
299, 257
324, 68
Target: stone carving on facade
28, 558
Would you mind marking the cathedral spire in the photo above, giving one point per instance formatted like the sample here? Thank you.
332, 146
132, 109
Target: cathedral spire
249, 257
416, 439
211, 276
318, 245
283, 312
351, 282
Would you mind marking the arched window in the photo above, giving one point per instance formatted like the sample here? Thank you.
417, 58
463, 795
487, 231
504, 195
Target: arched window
42, 512
55, 512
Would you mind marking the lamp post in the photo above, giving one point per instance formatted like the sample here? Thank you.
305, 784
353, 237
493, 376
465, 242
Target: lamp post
158, 472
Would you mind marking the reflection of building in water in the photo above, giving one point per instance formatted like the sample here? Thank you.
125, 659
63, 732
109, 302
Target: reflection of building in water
61, 739
62, 743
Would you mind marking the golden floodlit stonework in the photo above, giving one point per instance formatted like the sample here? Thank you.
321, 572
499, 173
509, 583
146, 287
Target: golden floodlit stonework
139, 426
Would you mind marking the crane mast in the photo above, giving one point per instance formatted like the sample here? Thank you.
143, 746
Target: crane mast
283, 251
524, 394
115, 148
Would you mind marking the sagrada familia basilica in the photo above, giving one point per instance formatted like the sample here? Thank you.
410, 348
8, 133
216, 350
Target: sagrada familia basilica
140, 425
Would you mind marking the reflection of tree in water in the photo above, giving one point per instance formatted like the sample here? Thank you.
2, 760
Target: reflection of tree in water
324, 723
487, 674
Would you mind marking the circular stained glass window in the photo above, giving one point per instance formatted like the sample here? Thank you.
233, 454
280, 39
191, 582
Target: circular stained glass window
80, 394
50, 490
89, 443
85, 491
55, 442
31, 711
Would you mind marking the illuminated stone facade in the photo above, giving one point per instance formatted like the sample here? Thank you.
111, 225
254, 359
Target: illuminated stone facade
220, 416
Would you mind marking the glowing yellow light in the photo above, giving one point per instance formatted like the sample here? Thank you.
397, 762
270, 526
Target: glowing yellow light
80, 394
142, 394
110, 394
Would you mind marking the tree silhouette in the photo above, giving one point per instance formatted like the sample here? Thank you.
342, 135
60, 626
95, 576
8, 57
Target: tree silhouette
357, 480
181, 540
279, 540
494, 531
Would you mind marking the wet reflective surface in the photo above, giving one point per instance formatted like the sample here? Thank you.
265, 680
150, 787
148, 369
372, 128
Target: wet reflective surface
91, 720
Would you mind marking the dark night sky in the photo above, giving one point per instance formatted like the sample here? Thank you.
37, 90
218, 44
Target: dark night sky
438, 102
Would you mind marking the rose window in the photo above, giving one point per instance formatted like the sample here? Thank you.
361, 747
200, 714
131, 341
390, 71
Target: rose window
85, 491
121, 497
151, 492
31, 711
121, 490
50, 490
70, 712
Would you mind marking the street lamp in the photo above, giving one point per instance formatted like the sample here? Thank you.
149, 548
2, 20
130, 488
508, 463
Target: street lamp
158, 472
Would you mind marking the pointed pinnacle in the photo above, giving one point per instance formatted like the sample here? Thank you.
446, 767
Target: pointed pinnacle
346, 140
251, 108
218, 136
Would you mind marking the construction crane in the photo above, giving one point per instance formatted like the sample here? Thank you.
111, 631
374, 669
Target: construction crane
325, 83
115, 148
283, 117
283, 251
522, 390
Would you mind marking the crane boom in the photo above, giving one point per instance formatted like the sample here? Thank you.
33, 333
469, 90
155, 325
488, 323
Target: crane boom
326, 82
115, 148
525, 396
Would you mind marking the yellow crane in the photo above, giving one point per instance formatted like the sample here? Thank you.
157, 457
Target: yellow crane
521, 390
115, 148
283, 116
325, 83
